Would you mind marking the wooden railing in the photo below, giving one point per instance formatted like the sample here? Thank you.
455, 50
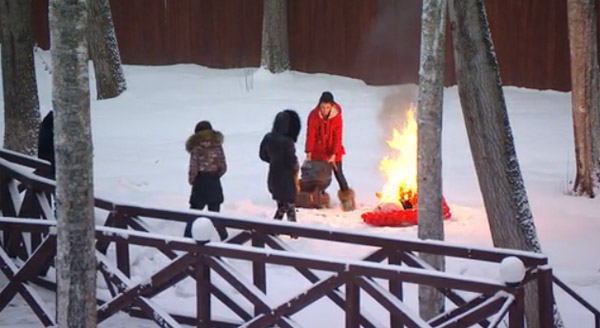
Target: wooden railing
25, 195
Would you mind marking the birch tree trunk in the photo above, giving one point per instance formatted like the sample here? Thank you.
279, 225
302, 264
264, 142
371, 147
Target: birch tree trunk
104, 50
490, 138
76, 264
21, 104
275, 48
429, 144
584, 94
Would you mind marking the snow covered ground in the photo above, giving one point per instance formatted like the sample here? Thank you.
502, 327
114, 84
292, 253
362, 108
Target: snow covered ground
139, 158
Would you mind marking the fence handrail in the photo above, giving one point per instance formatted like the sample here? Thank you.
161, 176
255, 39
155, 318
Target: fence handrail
19, 158
432, 278
339, 235
576, 296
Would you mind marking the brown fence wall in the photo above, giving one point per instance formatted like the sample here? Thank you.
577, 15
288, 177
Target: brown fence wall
373, 40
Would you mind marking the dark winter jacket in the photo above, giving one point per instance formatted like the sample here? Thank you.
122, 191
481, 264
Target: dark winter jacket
207, 166
46, 140
324, 135
277, 148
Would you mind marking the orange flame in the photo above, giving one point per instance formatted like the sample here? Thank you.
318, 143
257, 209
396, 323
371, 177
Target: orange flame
400, 168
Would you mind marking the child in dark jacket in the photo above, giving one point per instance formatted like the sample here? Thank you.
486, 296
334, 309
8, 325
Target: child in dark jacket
277, 148
207, 166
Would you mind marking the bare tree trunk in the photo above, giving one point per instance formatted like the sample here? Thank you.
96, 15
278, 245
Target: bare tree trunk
21, 104
490, 138
275, 49
76, 262
429, 145
584, 94
104, 50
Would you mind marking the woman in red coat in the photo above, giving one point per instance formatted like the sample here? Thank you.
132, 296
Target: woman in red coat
324, 143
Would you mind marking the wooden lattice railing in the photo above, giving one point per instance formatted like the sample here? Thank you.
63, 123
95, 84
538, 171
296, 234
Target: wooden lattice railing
25, 195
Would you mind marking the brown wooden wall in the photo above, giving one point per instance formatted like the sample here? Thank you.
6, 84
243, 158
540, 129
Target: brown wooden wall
373, 40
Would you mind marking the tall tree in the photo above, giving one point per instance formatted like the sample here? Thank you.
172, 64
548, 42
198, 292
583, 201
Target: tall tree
76, 274
585, 94
104, 51
429, 144
275, 48
21, 104
490, 138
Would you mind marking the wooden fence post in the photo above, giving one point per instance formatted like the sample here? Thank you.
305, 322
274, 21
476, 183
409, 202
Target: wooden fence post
396, 289
203, 308
516, 315
545, 296
122, 247
259, 270
352, 303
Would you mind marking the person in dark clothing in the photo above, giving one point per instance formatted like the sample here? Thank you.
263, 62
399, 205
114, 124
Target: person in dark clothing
207, 166
46, 151
46, 141
277, 148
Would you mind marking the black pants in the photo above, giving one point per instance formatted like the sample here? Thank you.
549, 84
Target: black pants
339, 176
286, 208
213, 207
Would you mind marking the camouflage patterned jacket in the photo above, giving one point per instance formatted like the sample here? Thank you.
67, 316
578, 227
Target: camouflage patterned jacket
206, 154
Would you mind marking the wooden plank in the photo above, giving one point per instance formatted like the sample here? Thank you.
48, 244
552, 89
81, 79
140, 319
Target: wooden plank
122, 247
576, 297
22, 159
109, 285
203, 307
516, 314
391, 303
272, 228
230, 303
466, 306
129, 296
299, 302
259, 271
414, 261
435, 279
128, 291
27, 178
502, 312
236, 280
31, 209
335, 295
18, 277
240, 238
134, 222
476, 314
101, 243
545, 297
16, 242
396, 289
352, 303
188, 320
45, 207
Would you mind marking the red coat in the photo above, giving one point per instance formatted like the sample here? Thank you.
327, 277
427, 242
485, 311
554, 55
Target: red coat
324, 137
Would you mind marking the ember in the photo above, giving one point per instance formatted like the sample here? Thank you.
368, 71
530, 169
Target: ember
398, 199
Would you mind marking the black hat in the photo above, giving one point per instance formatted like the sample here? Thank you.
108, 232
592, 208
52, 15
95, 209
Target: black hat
202, 125
326, 97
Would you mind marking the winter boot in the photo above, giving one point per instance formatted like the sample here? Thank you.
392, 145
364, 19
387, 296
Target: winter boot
347, 199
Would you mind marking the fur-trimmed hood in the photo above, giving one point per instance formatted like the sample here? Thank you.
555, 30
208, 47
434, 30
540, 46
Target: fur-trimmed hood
335, 111
205, 138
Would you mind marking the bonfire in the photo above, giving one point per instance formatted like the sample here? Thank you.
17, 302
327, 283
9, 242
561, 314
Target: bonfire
398, 200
